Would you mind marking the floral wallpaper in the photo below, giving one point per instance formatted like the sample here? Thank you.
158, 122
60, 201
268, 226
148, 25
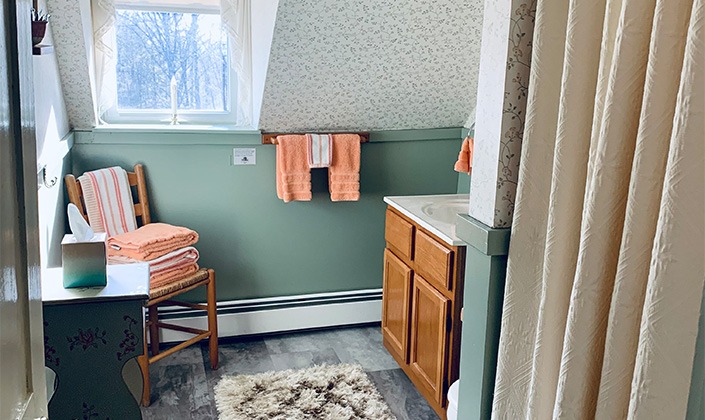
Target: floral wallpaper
499, 125
72, 59
518, 69
370, 64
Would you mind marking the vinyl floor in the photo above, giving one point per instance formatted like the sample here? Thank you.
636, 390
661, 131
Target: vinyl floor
182, 384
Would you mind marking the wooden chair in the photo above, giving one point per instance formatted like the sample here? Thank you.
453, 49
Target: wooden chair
162, 295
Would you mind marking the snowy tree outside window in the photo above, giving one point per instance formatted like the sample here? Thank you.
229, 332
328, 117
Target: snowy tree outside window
153, 46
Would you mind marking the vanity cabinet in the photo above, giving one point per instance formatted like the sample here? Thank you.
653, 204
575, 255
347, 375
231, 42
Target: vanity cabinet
422, 298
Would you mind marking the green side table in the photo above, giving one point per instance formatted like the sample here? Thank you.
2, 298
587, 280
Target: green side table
89, 335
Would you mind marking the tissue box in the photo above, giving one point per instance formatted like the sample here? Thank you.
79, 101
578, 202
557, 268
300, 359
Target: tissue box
84, 262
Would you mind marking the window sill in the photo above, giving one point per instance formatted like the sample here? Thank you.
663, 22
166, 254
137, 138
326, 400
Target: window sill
182, 134
178, 128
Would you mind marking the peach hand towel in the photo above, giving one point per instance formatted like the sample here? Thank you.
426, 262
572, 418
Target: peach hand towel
151, 241
293, 173
174, 264
464, 163
344, 171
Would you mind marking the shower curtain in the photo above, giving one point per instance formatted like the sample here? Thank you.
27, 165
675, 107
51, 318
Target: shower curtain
607, 254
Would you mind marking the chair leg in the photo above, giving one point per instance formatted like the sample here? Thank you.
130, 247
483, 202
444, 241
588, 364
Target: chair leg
153, 329
212, 320
143, 362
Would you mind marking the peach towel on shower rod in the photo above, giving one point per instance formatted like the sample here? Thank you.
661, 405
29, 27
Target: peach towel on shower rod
293, 172
344, 171
464, 163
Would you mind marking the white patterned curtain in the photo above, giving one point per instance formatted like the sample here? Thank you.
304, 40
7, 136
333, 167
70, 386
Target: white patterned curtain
606, 262
104, 73
237, 17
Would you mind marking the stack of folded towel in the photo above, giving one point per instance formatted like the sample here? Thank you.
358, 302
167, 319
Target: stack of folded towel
167, 249
297, 154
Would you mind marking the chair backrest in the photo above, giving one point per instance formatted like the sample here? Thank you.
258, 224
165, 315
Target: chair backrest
135, 179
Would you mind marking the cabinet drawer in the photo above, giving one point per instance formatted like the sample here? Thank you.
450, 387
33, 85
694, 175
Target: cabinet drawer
433, 261
399, 235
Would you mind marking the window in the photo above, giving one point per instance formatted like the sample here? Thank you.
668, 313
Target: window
172, 57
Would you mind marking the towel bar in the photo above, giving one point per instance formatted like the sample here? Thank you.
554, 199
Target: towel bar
271, 138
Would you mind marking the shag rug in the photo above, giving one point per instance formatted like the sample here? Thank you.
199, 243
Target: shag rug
322, 392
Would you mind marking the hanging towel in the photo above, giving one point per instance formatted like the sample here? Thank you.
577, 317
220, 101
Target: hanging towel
344, 171
320, 149
165, 269
292, 170
464, 163
151, 241
108, 199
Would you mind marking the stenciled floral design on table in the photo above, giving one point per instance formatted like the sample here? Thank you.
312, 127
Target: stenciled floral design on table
88, 338
515, 96
130, 342
49, 350
89, 412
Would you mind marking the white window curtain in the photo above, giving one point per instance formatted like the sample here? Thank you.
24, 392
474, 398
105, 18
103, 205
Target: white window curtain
606, 269
236, 18
104, 77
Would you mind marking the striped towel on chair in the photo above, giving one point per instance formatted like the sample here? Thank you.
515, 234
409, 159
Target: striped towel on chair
108, 200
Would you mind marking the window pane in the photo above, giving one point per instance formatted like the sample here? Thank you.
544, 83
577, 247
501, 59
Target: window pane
154, 46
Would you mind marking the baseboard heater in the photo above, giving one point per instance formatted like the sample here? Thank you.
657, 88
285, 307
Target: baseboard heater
279, 314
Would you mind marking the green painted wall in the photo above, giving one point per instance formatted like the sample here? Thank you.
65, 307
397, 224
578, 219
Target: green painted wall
260, 246
485, 272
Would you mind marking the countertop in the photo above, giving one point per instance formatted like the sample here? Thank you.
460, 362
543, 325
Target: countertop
125, 282
435, 213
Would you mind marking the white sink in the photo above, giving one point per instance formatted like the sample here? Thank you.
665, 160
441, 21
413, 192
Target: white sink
436, 213
446, 210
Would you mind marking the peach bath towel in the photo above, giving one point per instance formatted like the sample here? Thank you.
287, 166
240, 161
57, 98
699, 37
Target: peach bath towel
464, 163
344, 171
151, 241
293, 172
167, 268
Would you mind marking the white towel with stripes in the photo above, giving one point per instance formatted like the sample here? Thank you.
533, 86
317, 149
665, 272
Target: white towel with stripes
108, 200
320, 150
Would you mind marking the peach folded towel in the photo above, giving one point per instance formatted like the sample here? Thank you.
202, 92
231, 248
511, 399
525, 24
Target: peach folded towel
344, 171
293, 172
151, 241
175, 274
172, 266
464, 163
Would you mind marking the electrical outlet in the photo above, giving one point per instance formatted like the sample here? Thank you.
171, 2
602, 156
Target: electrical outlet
244, 156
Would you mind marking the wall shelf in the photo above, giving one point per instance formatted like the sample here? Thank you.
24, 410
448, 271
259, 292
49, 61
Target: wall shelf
42, 49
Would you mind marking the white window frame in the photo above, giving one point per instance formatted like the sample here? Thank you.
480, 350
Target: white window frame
113, 115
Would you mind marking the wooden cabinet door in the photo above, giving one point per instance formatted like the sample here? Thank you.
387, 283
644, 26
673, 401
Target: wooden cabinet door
395, 304
429, 336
